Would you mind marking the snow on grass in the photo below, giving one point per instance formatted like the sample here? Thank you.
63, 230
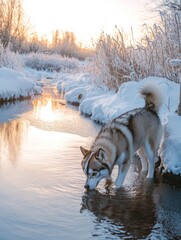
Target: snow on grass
50, 62
14, 85
68, 82
103, 105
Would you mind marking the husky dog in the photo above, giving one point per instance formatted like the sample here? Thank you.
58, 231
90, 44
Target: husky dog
138, 130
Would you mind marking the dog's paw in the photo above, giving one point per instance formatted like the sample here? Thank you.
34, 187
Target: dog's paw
114, 187
118, 182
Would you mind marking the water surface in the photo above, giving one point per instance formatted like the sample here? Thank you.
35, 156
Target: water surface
41, 182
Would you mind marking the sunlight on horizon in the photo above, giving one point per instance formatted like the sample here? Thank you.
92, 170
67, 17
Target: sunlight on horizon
86, 18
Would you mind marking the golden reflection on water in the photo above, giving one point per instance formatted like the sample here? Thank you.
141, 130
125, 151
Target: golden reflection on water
52, 114
11, 138
44, 108
48, 113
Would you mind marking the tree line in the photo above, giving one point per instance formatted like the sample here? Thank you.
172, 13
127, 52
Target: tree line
17, 34
13, 26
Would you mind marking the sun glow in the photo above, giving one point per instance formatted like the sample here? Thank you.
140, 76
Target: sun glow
86, 18
44, 109
46, 112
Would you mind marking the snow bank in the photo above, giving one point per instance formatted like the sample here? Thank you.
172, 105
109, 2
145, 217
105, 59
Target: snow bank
37, 90
38, 75
14, 85
75, 86
103, 106
68, 82
94, 95
171, 146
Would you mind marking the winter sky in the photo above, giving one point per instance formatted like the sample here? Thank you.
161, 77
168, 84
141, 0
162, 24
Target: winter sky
86, 18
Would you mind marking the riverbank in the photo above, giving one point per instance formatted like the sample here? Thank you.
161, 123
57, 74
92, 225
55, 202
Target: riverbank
16, 86
103, 105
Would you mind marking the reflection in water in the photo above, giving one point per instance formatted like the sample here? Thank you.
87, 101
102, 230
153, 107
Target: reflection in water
10, 111
50, 110
51, 114
11, 138
141, 209
44, 109
168, 201
127, 215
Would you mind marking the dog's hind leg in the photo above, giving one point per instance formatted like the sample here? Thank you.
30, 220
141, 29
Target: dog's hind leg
157, 142
144, 160
151, 159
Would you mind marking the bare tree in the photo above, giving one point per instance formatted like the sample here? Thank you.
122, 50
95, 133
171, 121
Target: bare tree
68, 44
56, 39
13, 28
64, 43
34, 43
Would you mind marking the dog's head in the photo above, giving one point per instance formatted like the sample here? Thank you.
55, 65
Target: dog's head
95, 167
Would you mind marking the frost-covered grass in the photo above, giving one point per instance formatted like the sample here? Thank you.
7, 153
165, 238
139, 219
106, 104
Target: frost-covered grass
119, 60
50, 62
10, 59
38, 61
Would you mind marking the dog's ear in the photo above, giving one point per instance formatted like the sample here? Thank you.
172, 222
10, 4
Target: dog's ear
101, 154
84, 151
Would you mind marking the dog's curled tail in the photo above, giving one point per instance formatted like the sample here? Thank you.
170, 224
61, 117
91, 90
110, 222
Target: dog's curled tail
153, 96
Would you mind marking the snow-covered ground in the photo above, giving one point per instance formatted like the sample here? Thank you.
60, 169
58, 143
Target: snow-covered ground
14, 85
103, 105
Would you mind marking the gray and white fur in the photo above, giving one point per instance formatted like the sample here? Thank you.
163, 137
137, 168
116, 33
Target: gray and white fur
138, 130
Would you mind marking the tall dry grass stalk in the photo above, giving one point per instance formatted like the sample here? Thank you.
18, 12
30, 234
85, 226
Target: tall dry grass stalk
116, 62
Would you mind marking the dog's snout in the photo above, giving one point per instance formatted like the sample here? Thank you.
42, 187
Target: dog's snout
87, 186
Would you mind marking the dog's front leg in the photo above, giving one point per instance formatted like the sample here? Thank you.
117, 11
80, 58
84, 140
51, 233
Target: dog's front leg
122, 171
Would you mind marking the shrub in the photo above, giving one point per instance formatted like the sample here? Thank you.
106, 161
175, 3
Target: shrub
50, 62
10, 59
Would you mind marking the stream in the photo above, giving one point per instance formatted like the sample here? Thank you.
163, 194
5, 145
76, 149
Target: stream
42, 193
